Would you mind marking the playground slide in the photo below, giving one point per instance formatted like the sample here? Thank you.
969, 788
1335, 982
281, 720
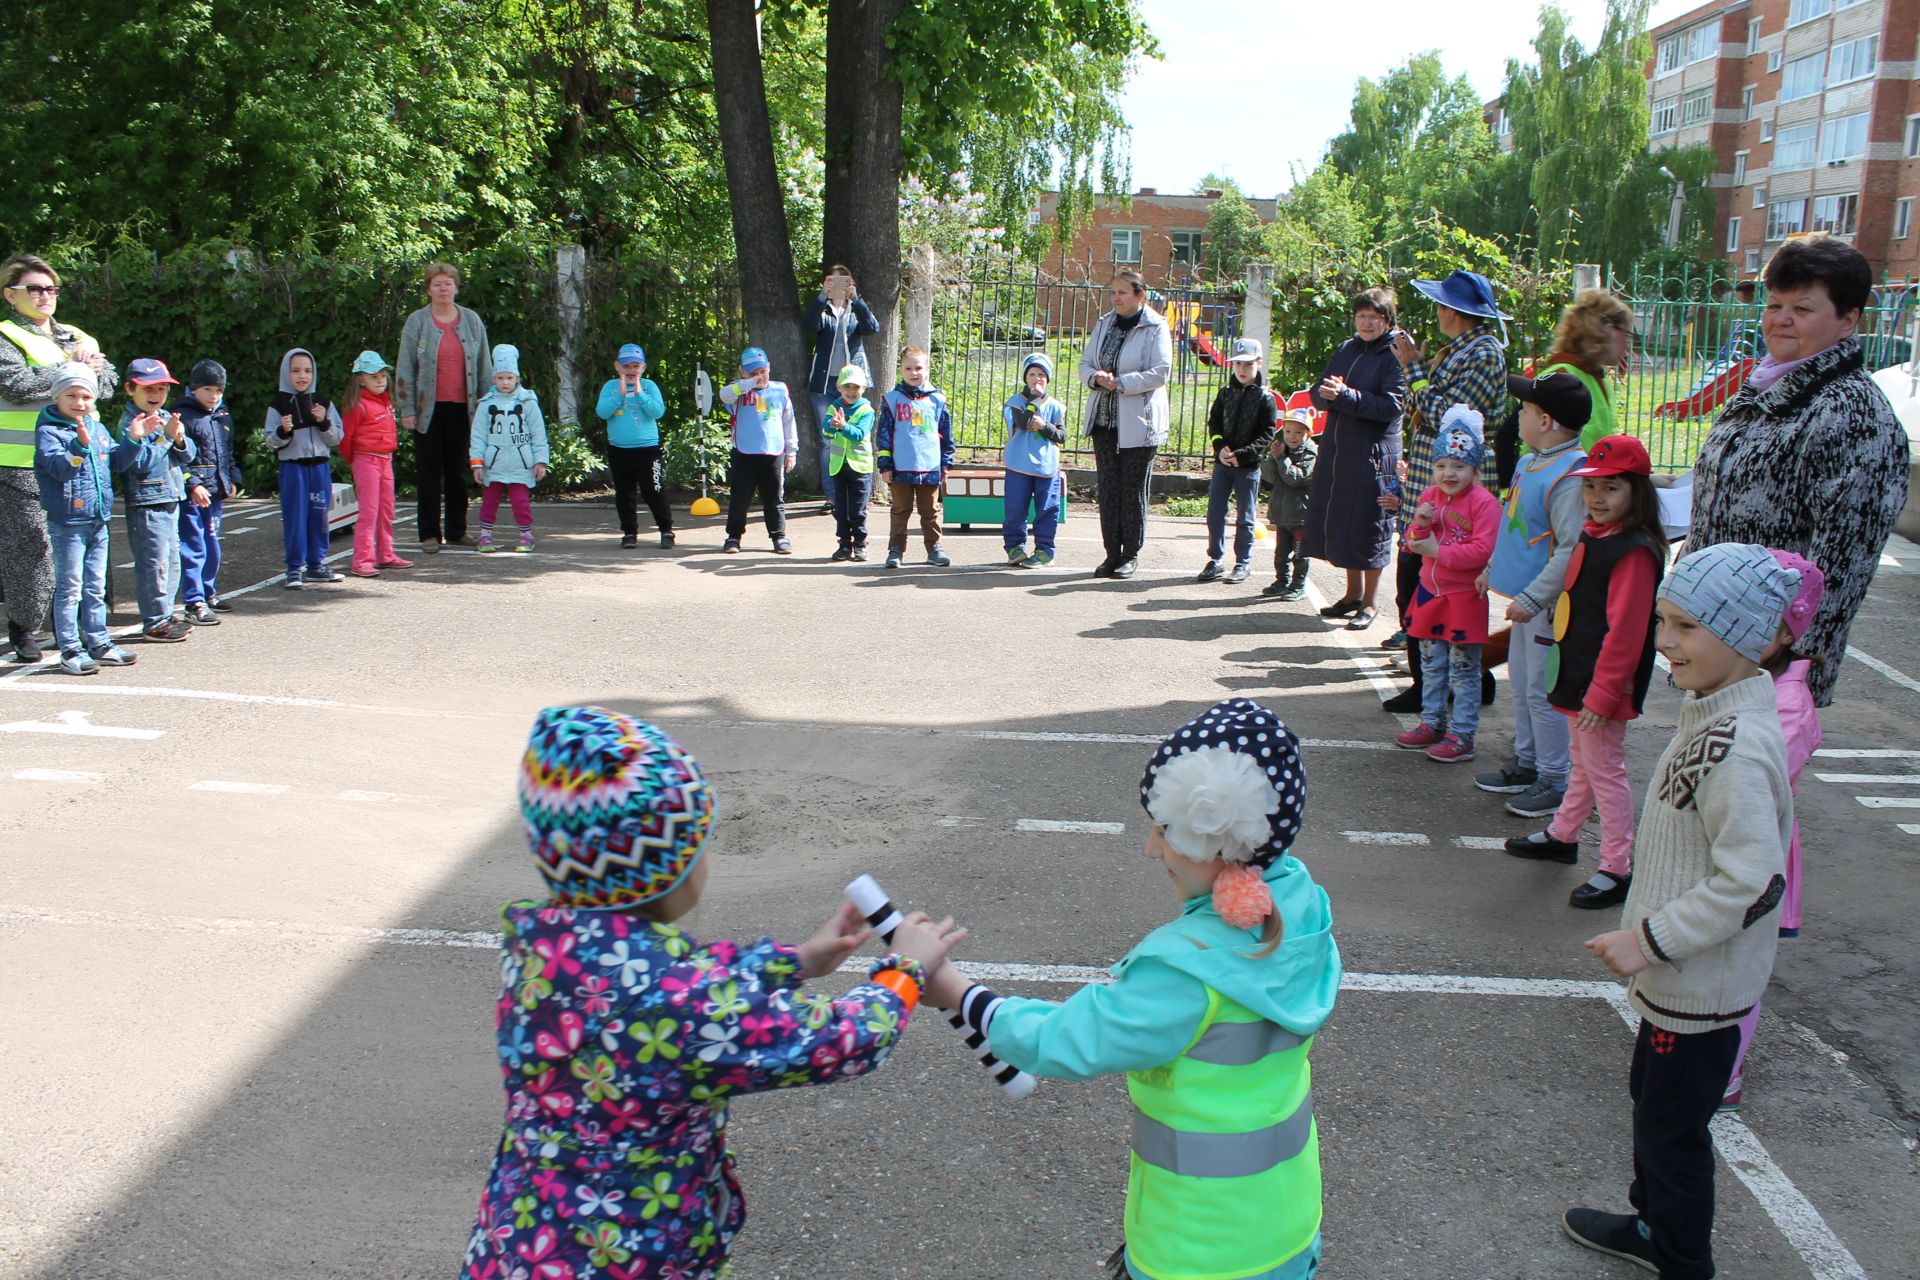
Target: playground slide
1710, 397
1203, 345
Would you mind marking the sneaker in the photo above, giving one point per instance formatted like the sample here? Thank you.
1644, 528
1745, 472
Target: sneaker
1398, 640
322, 573
1510, 779
860, 551
666, 540
1538, 801
1604, 890
1127, 568
168, 632
75, 663
1452, 749
1240, 573
294, 581
112, 656
1419, 738
201, 616
1211, 571
1017, 557
486, 541
1730, 1100
628, 541
893, 557
842, 553
938, 558
1298, 591
219, 603
1619, 1235
358, 572
730, 547
1039, 559
1542, 847
525, 543
781, 547
1278, 587
395, 563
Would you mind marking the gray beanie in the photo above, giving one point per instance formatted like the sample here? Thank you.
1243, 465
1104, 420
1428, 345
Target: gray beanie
73, 374
1736, 590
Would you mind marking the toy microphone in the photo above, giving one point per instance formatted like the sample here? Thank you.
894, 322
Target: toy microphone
871, 901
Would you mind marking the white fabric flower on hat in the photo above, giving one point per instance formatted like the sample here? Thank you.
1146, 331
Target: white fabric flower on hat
1214, 802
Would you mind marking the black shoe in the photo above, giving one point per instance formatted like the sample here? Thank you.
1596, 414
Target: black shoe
1127, 568
666, 540
843, 553
1542, 847
219, 604
1105, 568
1508, 780
25, 647
1278, 588
1404, 701
1295, 592
1615, 1234
1239, 573
1486, 688
1211, 571
628, 541
168, 632
1594, 894
1341, 609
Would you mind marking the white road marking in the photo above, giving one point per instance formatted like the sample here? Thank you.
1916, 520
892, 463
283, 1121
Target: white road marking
1911, 828
1386, 837
234, 533
1890, 779
1481, 842
254, 699
1349, 641
957, 820
57, 775
1899, 677
78, 724
1867, 753
1890, 802
240, 788
374, 797
1074, 828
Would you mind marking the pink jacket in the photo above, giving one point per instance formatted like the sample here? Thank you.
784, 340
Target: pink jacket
1467, 526
1799, 719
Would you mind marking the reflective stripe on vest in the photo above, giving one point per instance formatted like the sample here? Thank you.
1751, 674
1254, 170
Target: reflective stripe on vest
17, 420
1235, 1044
1223, 1155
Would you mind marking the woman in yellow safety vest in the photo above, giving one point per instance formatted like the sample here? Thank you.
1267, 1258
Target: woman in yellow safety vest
1211, 1016
33, 346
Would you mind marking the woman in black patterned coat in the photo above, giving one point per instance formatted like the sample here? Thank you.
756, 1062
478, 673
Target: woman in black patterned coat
1809, 457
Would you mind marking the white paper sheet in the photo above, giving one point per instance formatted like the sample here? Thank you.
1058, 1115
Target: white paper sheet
1676, 506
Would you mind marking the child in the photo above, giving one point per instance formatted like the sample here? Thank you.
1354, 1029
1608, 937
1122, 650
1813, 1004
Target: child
369, 435
623, 1039
211, 480
632, 406
1212, 1016
156, 487
916, 445
1453, 528
848, 431
1603, 633
73, 467
509, 450
1241, 423
1800, 723
1036, 428
303, 427
1700, 928
1288, 471
1543, 522
766, 439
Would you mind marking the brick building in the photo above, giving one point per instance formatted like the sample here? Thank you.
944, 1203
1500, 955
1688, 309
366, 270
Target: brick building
1813, 115
1160, 236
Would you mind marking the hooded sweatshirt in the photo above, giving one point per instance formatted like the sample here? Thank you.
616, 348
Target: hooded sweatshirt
290, 429
369, 427
509, 435
215, 468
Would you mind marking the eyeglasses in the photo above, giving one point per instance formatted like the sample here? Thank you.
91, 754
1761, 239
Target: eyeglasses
42, 290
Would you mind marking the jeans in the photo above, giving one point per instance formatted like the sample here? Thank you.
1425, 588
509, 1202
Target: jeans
762, 472
440, 471
1456, 666
306, 495
1125, 478
639, 468
200, 551
1041, 496
518, 494
1243, 483
1289, 555
1539, 729
1676, 1083
79, 586
823, 403
1598, 779
373, 526
851, 491
155, 535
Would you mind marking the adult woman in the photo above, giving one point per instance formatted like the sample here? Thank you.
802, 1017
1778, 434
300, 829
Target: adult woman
1127, 361
34, 348
445, 367
1595, 333
1808, 456
1361, 389
838, 319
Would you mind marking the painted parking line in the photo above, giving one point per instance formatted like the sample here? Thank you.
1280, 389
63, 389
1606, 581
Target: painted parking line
1386, 837
1890, 802
1911, 828
375, 797
1070, 828
240, 788
56, 775
1866, 753
1884, 779
1481, 842
1892, 673
79, 724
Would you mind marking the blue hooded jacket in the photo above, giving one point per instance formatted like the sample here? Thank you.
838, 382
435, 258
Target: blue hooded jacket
76, 485
509, 435
214, 467
156, 471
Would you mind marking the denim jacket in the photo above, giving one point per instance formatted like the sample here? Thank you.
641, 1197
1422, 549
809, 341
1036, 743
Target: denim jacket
76, 485
156, 471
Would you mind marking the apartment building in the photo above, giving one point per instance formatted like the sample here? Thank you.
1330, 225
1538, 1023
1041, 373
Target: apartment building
1160, 236
1813, 115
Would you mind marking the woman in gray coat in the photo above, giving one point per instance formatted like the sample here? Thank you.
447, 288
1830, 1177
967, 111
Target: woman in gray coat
445, 366
1126, 364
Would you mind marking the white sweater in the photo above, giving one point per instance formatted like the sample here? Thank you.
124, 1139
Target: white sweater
1710, 862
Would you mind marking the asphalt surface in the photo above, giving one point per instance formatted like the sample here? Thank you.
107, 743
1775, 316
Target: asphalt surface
249, 995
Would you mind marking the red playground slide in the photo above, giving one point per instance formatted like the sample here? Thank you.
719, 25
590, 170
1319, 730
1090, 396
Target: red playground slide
1710, 397
1203, 346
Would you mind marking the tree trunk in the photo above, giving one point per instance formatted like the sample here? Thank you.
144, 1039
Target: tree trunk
861, 216
769, 291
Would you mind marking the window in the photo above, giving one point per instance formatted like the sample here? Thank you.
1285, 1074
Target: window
1694, 45
1666, 116
1733, 234
1843, 138
1807, 10
1903, 218
1838, 214
1697, 106
1753, 37
1760, 196
1786, 218
1854, 60
1773, 60
1186, 246
1740, 168
1746, 103
1793, 147
1803, 77
1753, 262
1913, 136
1124, 246
1766, 130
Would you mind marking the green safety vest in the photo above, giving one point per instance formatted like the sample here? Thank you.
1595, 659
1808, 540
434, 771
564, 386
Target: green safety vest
842, 452
17, 420
1605, 411
1224, 1180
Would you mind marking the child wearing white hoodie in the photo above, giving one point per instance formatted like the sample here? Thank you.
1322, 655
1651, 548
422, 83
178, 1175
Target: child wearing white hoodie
509, 454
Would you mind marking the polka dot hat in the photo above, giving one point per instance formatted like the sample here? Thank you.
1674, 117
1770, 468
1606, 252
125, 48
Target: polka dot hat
1252, 730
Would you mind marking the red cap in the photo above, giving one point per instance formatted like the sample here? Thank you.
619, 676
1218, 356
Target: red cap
1615, 456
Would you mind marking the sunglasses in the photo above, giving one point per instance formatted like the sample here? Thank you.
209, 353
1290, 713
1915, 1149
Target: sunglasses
40, 290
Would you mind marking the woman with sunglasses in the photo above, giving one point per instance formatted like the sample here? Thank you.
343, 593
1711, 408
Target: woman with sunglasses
33, 348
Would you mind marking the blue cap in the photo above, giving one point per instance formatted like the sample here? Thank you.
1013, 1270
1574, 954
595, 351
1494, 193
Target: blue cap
370, 362
506, 359
754, 358
1037, 360
631, 353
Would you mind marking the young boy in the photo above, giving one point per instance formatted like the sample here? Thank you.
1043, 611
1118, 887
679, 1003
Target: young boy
156, 486
1700, 926
1241, 424
1544, 516
211, 480
766, 439
303, 428
916, 445
73, 460
848, 431
1036, 428
508, 451
1288, 470
632, 407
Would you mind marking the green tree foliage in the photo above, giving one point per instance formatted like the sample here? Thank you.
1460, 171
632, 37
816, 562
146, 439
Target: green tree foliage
1415, 144
1234, 236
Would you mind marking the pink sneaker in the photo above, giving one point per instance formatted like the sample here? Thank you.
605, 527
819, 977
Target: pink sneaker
1421, 735
365, 571
1452, 749
396, 563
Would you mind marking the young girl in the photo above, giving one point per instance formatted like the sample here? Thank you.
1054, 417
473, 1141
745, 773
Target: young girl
1454, 529
509, 454
303, 428
622, 1039
368, 438
1212, 1016
1598, 670
1800, 723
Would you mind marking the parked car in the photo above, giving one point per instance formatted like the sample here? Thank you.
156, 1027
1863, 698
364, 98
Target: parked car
999, 329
